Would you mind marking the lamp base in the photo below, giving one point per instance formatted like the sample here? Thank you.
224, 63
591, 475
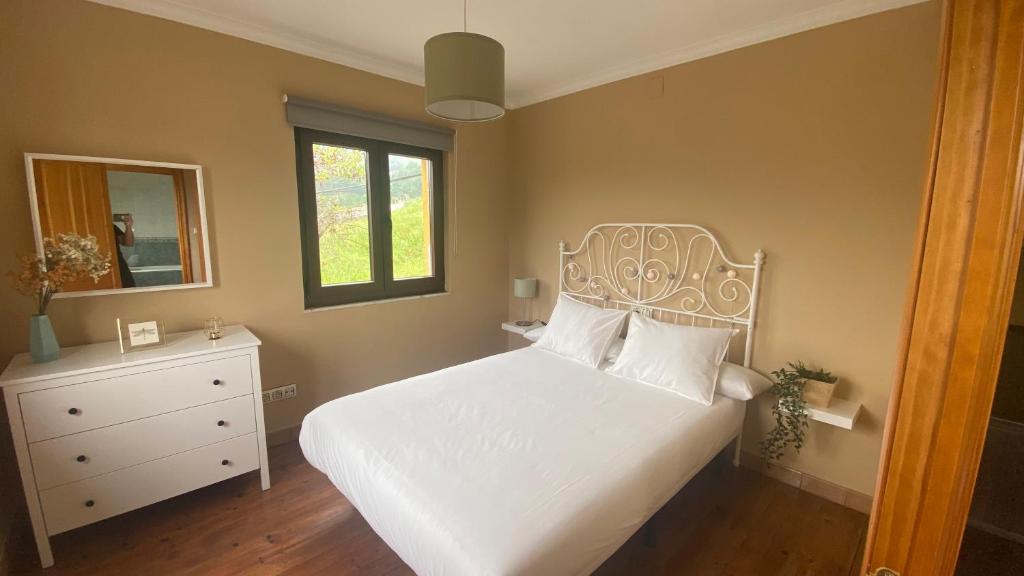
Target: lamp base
524, 322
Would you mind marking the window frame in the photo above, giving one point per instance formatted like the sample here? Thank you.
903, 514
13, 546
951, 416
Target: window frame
383, 286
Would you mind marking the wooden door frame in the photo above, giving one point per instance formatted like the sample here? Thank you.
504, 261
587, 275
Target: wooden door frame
184, 244
958, 308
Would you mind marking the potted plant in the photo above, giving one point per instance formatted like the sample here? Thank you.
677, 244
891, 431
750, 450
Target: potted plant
819, 385
790, 411
68, 258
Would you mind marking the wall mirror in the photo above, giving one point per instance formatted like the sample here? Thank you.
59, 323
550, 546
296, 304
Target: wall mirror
150, 217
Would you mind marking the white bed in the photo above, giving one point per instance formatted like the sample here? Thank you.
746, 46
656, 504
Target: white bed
521, 463
527, 462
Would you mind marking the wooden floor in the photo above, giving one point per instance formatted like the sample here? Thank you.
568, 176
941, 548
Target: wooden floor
725, 521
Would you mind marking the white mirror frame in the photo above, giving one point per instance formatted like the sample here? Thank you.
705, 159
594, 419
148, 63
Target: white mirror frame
37, 228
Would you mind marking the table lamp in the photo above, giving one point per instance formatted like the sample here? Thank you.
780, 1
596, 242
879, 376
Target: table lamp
525, 289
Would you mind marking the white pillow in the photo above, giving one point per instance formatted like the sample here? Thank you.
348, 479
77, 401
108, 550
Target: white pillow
613, 351
740, 382
734, 381
581, 331
680, 359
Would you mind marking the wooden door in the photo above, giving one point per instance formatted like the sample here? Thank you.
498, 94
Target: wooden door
969, 242
72, 197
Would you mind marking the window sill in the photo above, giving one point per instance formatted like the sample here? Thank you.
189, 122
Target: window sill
373, 302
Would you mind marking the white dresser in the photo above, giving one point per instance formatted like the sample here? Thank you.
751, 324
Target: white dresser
98, 433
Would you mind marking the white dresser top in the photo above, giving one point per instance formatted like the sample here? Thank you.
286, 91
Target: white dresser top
77, 360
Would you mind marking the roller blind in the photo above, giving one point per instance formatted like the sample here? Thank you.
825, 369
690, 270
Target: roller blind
342, 120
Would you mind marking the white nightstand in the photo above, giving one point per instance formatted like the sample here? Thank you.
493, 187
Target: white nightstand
514, 328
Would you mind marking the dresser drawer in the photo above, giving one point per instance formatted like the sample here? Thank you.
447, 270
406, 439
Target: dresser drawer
77, 456
79, 407
86, 501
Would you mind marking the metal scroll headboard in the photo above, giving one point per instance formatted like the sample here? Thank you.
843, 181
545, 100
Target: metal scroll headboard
670, 272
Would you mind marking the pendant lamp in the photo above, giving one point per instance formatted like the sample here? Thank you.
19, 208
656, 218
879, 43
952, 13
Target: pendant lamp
465, 76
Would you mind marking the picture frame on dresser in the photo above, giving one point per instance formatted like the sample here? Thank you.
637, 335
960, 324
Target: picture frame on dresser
135, 335
97, 433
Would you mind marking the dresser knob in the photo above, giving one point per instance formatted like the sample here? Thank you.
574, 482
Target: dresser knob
73, 411
225, 462
81, 458
221, 422
89, 503
216, 382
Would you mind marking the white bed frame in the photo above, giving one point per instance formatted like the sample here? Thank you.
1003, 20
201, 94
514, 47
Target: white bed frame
670, 272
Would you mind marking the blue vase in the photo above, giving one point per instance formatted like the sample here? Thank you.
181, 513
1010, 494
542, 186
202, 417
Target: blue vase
42, 342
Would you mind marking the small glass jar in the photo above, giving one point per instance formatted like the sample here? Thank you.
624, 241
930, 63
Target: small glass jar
214, 328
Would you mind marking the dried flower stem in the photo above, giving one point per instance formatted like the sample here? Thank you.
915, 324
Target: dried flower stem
68, 258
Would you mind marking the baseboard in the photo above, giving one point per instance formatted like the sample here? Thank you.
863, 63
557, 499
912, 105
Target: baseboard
812, 484
283, 436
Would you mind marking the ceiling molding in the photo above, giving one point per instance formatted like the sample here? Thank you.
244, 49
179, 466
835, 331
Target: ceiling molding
170, 10
835, 13
353, 58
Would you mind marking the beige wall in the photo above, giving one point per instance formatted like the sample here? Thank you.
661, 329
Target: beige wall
79, 78
812, 147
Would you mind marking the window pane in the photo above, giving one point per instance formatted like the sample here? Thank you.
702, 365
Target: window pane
410, 217
342, 214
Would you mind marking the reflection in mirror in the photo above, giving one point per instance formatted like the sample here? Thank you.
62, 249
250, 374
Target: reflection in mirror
150, 217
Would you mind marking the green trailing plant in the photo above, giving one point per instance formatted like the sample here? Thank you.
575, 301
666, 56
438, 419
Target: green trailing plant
790, 410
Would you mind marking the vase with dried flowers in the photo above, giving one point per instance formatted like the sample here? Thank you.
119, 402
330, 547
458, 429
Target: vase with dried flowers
68, 258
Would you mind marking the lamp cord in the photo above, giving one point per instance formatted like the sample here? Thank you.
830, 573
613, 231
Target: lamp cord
465, 18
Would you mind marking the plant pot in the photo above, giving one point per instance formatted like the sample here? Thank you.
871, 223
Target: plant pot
42, 342
818, 393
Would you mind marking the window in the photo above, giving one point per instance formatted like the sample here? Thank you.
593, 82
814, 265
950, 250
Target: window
372, 215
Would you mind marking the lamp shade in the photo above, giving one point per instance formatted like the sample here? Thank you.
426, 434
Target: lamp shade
524, 287
465, 77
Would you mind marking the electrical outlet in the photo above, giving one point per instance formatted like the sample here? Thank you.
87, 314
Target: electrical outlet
279, 393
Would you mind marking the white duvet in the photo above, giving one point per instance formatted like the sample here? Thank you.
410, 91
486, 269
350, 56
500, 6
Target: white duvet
521, 463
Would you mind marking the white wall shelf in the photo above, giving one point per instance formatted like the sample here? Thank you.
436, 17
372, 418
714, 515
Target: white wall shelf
514, 328
841, 413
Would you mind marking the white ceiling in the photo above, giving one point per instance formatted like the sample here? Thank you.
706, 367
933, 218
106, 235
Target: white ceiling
552, 47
